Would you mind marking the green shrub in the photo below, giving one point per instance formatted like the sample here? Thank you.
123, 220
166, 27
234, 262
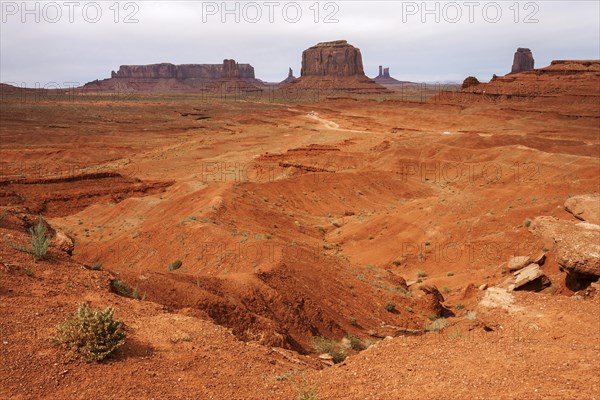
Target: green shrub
175, 265
119, 287
90, 333
421, 274
355, 343
325, 345
450, 273
39, 241
306, 393
460, 306
390, 306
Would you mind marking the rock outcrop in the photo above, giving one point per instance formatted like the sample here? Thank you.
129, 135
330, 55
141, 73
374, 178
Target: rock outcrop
577, 244
523, 61
470, 81
330, 67
585, 208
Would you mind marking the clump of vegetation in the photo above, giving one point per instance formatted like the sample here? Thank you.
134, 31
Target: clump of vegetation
390, 306
119, 287
437, 325
527, 222
353, 321
460, 306
471, 315
97, 266
450, 273
355, 343
39, 241
397, 262
323, 345
421, 274
175, 265
90, 333
306, 393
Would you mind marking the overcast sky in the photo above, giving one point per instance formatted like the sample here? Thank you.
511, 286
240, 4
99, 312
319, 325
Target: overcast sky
470, 37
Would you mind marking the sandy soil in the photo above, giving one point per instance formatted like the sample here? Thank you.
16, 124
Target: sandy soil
292, 221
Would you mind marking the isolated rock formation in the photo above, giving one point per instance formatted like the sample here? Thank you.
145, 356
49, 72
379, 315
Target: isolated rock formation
385, 79
470, 81
523, 61
337, 58
334, 66
290, 78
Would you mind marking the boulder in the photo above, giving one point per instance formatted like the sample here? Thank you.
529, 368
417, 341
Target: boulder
530, 278
519, 262
523, 61
577, 244
585, 207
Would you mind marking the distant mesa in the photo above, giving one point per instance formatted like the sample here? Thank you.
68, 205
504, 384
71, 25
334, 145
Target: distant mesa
470, 81
523, 61
335, 65
166, 76
385, 79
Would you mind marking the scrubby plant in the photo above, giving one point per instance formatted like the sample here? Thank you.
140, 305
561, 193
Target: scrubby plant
119, 287
356, 343
471, 315
437, 325
175, 265
306, 393
323, 345
390, 306
421, 274
90, 333
39, 241
459, 306
450, 273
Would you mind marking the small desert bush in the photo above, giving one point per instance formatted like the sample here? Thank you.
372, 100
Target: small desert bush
325, 345
421, 274
39, 241
119, 287
356, 343
175, 265
437, 325
90, 333
306, 393
390, 306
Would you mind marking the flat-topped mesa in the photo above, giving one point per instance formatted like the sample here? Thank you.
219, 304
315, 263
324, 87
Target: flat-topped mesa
229, 69
523, 61
335, 59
